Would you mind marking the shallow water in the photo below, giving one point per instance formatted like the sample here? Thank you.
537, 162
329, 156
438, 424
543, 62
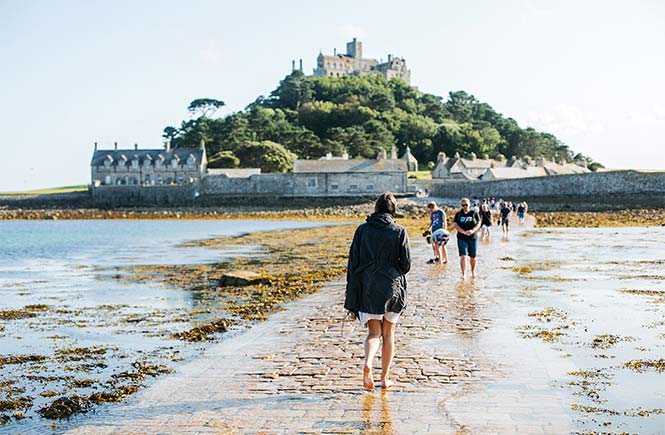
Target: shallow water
89, 323
580, 310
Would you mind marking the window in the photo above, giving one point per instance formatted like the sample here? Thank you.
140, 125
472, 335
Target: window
334, 186
370, 187
353, 187
311, 182
135, 164
107, 179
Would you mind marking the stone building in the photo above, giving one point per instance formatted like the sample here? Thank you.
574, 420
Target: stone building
410, 159
353, 64
473, 168
155, 167
349, 177
176, 176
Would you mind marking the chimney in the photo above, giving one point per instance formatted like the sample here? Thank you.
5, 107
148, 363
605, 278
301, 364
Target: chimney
167, 146
334, 52
300, 64
115, 144
136, 146
390, 57
345, 156
393, 153
95, 146
328, 156
293, 65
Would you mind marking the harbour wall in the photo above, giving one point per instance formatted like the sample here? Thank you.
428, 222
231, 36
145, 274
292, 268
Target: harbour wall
611, 189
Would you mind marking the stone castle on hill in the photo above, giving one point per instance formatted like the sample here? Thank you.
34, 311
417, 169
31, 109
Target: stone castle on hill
353, 64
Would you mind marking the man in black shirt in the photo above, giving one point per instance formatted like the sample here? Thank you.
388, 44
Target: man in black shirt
467, 223
505, 218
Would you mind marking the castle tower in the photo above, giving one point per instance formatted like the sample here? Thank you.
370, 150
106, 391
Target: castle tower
354, 49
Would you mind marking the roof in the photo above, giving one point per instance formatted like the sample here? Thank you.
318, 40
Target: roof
408, 156
506, 173
99, 156
235, 172
358, 166
477, 163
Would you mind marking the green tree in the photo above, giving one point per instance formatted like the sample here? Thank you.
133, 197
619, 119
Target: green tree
204, 106
267, 155
224, 159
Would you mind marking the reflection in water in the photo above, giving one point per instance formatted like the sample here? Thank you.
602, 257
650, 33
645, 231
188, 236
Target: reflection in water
465, 307
382, 424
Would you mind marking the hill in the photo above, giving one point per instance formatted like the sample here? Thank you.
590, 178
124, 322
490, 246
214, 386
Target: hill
307, 117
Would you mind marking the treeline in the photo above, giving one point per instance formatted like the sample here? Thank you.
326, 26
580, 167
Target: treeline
307, 117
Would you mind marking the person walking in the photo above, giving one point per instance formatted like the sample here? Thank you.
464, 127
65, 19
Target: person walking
467, 223
439, 235
521, 212
486, 222
505, 218
379, 259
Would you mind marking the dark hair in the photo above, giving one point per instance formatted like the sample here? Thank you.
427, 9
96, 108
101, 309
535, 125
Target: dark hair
385, 203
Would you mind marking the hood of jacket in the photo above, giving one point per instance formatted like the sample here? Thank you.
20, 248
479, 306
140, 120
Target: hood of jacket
380, 219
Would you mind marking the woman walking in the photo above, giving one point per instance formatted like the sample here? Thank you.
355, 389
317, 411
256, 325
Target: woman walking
379, 259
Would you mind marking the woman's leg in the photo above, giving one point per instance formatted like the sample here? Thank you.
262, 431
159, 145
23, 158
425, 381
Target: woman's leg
371, 348
387, 352
444, 251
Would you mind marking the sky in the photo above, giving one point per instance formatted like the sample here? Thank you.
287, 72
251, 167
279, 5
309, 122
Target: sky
79, 72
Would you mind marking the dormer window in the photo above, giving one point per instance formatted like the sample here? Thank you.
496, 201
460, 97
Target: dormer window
190, 161
108, 161
135, 163
174, 163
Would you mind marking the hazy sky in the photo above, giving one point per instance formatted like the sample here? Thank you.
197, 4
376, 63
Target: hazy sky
76, 72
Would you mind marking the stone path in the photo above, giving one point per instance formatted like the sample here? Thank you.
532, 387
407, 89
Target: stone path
459, 367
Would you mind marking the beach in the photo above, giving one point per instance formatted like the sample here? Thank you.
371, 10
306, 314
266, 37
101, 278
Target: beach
269, 351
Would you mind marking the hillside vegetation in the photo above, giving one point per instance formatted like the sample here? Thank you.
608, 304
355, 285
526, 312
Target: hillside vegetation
307, 117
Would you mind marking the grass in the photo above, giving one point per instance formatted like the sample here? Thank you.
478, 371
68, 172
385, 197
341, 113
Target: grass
420, 175
50, 190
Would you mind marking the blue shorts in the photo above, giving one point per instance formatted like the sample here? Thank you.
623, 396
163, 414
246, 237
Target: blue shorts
467, 247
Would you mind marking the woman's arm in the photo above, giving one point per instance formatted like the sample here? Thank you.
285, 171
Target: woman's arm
404, 252
354, 256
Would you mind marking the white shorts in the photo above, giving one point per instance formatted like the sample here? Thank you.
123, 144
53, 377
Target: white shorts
388, 315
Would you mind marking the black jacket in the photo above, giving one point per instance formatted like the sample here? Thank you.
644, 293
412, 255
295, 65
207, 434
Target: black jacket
378, 260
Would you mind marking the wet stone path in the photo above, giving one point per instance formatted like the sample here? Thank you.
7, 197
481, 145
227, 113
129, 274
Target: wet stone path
460, 368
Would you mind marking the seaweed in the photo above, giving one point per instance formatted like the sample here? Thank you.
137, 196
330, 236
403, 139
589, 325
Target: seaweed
65, 407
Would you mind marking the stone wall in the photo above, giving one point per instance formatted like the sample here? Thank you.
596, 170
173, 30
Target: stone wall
302, 184
109, 196
647, 188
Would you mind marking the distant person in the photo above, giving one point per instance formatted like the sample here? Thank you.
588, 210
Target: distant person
467, 223
379, 259
485, 222
505, 218
437, 219
521, 212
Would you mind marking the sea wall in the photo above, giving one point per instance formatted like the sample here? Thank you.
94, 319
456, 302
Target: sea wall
602, 188
109, 196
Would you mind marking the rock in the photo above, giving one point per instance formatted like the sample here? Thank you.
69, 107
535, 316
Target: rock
241, 278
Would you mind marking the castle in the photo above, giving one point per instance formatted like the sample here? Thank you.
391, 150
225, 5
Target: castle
353, 64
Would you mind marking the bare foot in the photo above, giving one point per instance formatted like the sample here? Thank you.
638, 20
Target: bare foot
386, 384
368, 382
